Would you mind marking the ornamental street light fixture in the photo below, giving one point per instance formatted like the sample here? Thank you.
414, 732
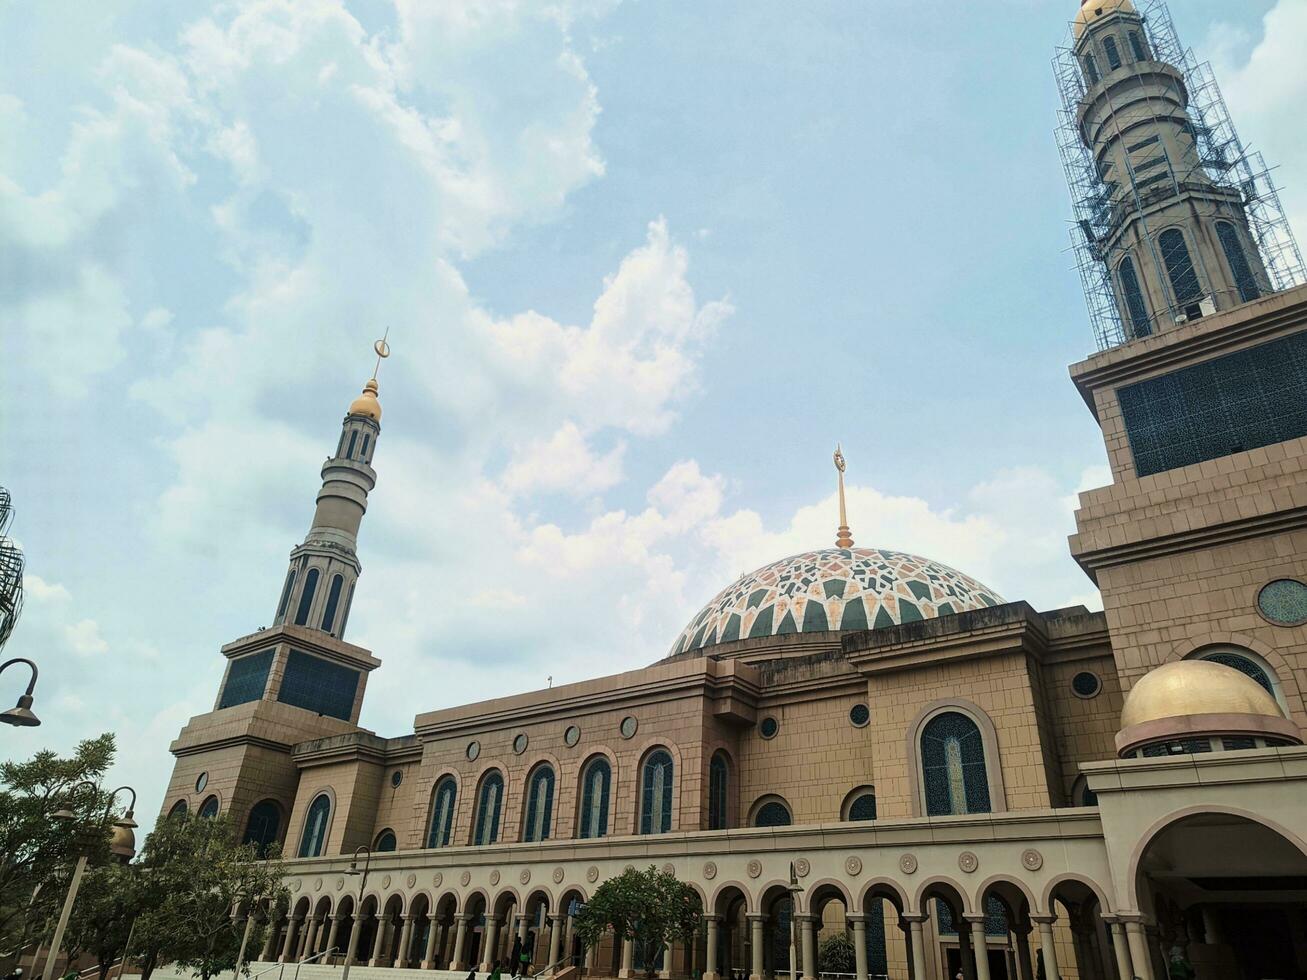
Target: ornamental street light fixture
21, 714
358, 907
122, 845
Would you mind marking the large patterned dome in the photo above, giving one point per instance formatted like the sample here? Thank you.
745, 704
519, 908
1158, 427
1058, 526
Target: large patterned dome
833, 589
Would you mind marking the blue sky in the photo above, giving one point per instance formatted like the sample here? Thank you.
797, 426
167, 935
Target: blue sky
643, 264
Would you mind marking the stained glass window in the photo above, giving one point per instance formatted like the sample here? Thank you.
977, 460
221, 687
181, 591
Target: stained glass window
333, 600
442, 813
1245, 665
210, 808
953, 766
247, 677
1238, 260
863, 808
719, 775
877, 955
306, 597
995, 918
385, 841
314, 837
1250, 398
594, 799
312, 683
1086, 684
490, 801
353, 438
656, 793
778, 949
1134, 299
772, 814
262, 827
539, 805
1284, 602
178, 809
1179, 267
1113, 54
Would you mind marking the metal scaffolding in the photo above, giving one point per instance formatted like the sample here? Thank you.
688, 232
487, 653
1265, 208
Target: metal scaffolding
1100, 199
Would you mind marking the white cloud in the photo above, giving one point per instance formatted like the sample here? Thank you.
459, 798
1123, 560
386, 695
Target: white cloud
38, 589
85, 639
564, 463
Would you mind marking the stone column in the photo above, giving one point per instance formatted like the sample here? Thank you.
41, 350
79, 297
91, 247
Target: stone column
457, 962
1211, 929
332, 935
311, 938
859, 944
270, 942
666, 972
711, 925
355, 930
490, 944
979, 946
917, 948
379, 942
905, 927
808, 943
965, 953
556, 923
405, 937
1024, 969
627, 969
1142, 962
1045, 923
756, 922
1120, 948
288, 943
523, 920
433, 933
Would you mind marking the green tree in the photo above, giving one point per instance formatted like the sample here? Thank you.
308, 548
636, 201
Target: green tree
651, 907
37, 851
199, 874
836, 954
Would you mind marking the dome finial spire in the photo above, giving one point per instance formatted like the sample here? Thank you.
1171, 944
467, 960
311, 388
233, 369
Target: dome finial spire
843, 539
366, 403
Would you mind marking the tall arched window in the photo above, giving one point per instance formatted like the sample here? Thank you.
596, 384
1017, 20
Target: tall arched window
719, 782
306, 598
773, 813
344, 619
353, 438
1091, 69
262, 827
442, 813
314, 838
1134, 298
333, 600
595, 785
953, 766
490, 801
1113, 54
863, 806
179, 809
656, 793
1137, 46
285, 596
1238, 260
209, 809
363, 453
1179, 267
385, 841
539, 804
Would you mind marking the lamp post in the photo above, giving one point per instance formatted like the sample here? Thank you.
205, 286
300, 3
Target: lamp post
122, 845
358, 906
795, 890
21, 714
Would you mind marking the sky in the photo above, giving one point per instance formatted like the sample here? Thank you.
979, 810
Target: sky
643, 265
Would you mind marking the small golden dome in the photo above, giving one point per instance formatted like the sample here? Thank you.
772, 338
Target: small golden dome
1092, 10
1195, 687
366, 403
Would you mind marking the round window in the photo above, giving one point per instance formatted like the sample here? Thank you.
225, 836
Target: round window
1086, 684
473, 750
396, 778
572, 735
519, 743
629, 725
1284, 602
859, 714
769, 728
201, 781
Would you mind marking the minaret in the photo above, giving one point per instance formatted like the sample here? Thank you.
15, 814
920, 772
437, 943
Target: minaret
1163, 203
319, 585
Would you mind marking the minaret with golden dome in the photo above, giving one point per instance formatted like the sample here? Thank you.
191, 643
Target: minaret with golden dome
319, 585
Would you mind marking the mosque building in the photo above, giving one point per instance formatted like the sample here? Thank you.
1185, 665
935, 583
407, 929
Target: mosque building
866, 742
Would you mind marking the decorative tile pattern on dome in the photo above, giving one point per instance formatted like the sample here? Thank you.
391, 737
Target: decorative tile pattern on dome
833, 589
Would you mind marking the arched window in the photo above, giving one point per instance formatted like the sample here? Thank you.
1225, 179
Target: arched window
179, 809
1134, 298
485, 830
1179, 267
1113, 55
1091, 69
353, 437
1245, 664
1137, 46
773, 813
442, 813
539, 804
363, 453
1082, 795
863, 806
333, 600
953, 766
306, 598
209, 809
656, 793
1238, 260
262, 827
719, 780
285, 595
344, 618
314, 838
385, 841
594, 799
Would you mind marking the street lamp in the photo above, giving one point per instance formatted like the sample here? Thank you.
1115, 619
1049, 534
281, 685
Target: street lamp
358, 922
21, 714
795, 890
122, 845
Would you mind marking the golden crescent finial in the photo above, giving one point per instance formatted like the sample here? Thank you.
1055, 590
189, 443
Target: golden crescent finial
843, 539
383, 351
